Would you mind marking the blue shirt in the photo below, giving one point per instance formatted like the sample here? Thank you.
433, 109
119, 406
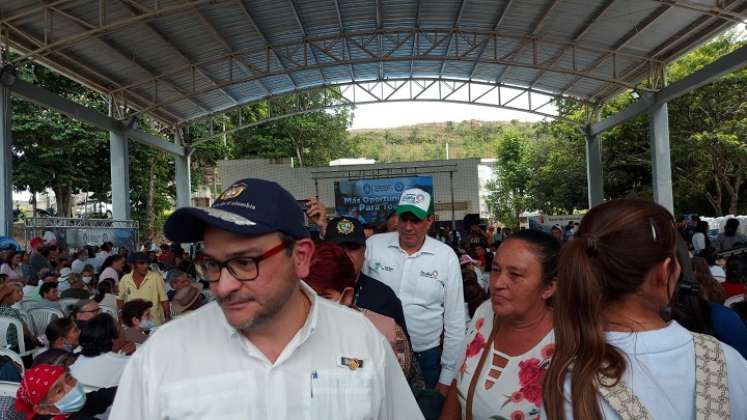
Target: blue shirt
729, 328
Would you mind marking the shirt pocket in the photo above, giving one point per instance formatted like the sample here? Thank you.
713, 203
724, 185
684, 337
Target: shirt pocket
427, 291
226, 397
342, 394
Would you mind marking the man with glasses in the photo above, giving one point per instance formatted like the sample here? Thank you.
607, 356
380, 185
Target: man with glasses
426, 276
144, 284
370, 293
268, 347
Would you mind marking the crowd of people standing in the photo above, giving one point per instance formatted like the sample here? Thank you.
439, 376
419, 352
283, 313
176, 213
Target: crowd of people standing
606, 318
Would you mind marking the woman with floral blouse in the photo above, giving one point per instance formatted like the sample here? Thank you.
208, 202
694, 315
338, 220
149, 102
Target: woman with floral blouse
510, 339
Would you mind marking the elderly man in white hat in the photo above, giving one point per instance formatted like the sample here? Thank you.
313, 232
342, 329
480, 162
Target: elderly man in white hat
426, 276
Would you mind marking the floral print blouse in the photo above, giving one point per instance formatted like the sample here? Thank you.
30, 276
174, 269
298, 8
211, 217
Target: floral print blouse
517, 393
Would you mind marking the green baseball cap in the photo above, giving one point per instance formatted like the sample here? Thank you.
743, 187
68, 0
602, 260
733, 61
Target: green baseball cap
417, 202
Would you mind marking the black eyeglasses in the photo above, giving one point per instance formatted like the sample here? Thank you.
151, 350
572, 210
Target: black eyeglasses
241, 268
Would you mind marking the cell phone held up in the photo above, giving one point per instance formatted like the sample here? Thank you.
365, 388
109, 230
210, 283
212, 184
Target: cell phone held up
304, 205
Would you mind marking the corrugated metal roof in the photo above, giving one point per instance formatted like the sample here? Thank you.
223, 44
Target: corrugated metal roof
181, 60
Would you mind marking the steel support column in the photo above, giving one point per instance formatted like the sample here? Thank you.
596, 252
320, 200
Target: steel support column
6, 164
183, 181
120, 172
594, 175
661, 165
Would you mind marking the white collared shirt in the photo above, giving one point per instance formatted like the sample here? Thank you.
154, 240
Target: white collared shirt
199, 367
429, 284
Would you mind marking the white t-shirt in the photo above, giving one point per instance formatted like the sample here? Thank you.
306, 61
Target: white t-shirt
429, 284
661, 373
102, 371
199, 367
109, 273
11, 273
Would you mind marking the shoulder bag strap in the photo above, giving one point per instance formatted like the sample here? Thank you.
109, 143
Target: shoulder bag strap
711, 385
486, 350
622, 400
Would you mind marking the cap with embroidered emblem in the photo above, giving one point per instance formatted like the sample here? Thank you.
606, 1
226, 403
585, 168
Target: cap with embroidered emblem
249, 207
417, 202
345, 230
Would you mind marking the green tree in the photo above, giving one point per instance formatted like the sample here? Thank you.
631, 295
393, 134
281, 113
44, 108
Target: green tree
51, 150
313, 139
509, 199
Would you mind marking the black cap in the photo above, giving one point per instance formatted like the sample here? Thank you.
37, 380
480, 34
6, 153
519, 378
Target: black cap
345, 230
249, 207
140, 257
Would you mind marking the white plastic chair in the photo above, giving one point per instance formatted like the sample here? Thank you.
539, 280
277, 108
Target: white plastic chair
5, 323
111, 311
14, 357
41, 317
8, 389
733, 299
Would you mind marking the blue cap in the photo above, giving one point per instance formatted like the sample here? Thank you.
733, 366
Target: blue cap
249, 207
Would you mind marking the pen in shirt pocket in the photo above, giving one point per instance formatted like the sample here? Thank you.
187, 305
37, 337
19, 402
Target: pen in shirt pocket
314, 375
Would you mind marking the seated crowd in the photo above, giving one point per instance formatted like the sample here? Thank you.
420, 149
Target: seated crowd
603, 319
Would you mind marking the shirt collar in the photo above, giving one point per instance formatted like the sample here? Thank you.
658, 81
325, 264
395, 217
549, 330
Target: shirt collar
427, 248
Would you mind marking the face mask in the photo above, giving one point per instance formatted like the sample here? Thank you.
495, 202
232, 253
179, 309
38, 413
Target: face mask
73, 401
86, 279
147, 324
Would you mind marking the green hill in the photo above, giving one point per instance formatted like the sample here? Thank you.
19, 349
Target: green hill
466, 139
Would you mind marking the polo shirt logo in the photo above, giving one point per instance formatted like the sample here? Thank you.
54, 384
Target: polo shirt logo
432, 275
377, 266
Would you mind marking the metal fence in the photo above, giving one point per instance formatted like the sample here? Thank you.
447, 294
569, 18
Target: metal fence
77, 233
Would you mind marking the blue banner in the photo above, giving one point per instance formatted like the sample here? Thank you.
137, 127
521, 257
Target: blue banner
371, 200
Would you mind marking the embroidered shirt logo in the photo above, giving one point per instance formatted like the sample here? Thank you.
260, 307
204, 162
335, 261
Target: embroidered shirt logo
431, 275
377, 266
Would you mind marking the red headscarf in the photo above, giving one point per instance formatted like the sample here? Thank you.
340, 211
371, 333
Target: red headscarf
35, 386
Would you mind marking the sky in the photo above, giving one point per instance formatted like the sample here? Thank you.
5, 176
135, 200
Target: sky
397, 114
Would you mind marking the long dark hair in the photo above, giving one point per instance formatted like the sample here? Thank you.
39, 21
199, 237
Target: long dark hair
111, 260
617, 245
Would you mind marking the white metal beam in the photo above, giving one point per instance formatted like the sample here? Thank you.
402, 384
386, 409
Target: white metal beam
49, 100
6, 164
661, 156
731, 62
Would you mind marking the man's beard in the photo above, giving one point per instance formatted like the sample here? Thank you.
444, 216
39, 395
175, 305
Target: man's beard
266, 312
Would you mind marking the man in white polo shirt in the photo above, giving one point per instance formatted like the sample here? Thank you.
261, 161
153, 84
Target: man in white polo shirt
269, 347
426, 276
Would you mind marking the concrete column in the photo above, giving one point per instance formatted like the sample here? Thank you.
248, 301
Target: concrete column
661, 164
6, 164
183, 179
120, 172
594, 176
